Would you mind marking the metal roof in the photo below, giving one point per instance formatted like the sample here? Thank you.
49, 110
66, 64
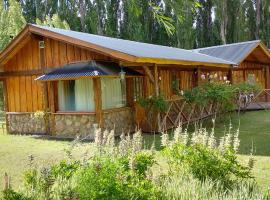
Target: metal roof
236, 52
138, 49
86, 69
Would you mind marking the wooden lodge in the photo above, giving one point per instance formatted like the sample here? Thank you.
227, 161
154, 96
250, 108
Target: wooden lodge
80, 80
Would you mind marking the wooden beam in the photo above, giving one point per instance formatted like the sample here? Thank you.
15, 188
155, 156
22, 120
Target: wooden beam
197, 77
267, 82
230, 76
148, 73
98, 101
130, 91
156, 80
21, 73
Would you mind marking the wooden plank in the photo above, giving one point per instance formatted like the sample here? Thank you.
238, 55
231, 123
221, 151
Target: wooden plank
77, 53
55, 50
70, 53
29, 94
130, 91
23, 102
34, 93
17, 94
21, 73
83, 55
35, 57
62, 53
48, 53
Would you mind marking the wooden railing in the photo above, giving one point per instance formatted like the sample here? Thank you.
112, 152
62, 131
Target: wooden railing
260, 100
180, 111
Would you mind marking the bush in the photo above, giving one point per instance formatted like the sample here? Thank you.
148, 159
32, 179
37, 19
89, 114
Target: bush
199, 168
211, 93
201, 156
10, 194
118, 178
185, 186
205, 163
158, 103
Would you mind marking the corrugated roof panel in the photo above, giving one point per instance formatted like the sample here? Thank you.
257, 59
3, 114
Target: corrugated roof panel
138, 49
86, 69
231, 52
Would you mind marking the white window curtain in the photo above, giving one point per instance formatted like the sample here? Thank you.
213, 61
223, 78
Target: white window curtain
84, 95
66, 95
76, 95
113, 93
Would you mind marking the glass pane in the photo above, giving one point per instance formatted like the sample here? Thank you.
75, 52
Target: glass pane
84, 95
76, 95
113, 93
66, 98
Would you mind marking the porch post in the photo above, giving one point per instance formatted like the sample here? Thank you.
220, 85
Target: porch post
156, 80
98, 100
198, 77
42, 63
230, 76
267, 82
156, 85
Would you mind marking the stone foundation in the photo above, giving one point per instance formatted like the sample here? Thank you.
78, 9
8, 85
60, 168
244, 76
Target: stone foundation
25, 123
72, 125
122, 120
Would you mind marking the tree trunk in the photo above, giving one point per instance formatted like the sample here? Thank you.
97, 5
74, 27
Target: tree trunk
82, 12
224, 21
258, 18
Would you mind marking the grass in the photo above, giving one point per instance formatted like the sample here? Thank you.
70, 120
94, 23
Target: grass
254, 131
15, 150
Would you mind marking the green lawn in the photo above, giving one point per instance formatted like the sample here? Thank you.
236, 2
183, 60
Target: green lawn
254, 129
15, 150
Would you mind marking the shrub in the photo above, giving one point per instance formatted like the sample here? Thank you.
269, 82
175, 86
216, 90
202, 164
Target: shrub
215, 93
204, 159
246, 88
65, 169
205, 163
158, 103
185, 186
117, 178
10, 194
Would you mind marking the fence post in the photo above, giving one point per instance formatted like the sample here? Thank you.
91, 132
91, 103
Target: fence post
6, 182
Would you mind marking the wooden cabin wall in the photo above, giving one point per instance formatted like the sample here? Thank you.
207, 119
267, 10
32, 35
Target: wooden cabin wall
60, 53
185, 81
241, 73
24, 93
216, 76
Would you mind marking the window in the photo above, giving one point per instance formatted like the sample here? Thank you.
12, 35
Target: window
76, 95
251, 79
113, 93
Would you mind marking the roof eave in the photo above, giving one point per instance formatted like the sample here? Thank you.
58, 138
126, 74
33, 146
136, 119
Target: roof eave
182, 62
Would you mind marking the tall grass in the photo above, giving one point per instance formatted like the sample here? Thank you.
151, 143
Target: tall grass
196, 166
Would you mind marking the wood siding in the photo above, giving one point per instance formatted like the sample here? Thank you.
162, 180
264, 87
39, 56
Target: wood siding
241, 73
24, 93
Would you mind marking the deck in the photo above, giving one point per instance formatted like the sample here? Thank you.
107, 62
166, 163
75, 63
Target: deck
258, 106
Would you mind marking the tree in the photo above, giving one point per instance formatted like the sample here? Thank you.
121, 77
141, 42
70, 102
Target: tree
11, 21
54, 21
204, 24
